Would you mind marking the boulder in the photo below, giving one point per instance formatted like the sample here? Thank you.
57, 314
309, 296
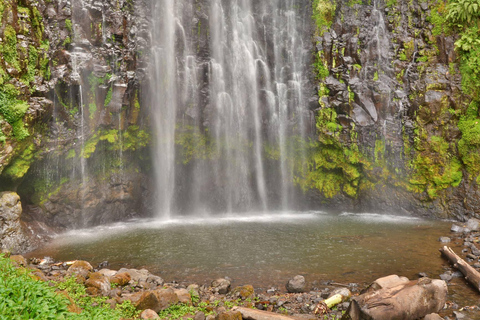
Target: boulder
11, 233
456, 228
149, 314
183, 296
121, 278
444, 239
231, 315
296, 284
394, 298
199, 316
18, 260
221, 285
244, 292
80, 268
157, 300
473, 224
98, 281
136, 275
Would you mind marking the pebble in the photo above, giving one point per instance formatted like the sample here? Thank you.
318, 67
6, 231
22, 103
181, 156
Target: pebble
456, 228
444, 239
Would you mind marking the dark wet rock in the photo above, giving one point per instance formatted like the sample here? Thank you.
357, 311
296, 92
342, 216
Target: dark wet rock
221, 285
296, 284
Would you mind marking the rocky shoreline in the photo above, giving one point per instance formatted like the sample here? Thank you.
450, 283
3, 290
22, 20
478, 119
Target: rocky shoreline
299, 299
154, 297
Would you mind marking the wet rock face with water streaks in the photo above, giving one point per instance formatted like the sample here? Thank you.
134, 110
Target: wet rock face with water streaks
392, 81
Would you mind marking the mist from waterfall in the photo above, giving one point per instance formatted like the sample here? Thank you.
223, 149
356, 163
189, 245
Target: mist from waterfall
229, 91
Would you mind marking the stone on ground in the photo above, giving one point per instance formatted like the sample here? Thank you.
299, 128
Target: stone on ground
149, 314
394, 298
296, 284
222, 286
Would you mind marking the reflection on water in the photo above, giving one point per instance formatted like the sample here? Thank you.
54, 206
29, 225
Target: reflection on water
263, 249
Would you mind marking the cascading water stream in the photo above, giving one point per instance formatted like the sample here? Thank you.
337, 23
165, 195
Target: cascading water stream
222, 97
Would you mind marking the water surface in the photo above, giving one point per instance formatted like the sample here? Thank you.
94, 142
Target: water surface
263, 249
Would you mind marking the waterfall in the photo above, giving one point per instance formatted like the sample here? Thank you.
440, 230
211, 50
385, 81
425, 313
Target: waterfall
229, 80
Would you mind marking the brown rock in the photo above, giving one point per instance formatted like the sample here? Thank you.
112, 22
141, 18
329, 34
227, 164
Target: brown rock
37, 274
80, 268
231, 315
149, 314
99, 281
156, 300
92, 291
183, 296
244, 292
18, 261
121, 279
432, 316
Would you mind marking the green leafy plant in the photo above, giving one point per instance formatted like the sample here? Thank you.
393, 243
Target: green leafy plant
23, 297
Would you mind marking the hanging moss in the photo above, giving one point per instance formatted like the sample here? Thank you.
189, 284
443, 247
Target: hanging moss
469, 144
435, 167
9, 47
20, 165
13, 110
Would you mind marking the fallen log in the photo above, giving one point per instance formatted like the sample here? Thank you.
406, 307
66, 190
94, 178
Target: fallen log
471, 275
253, 314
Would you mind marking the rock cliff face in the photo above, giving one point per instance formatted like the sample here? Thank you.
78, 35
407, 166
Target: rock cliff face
391, 109
77, 160
74, 111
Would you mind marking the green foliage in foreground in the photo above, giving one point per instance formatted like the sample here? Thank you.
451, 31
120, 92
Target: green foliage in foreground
23, 297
